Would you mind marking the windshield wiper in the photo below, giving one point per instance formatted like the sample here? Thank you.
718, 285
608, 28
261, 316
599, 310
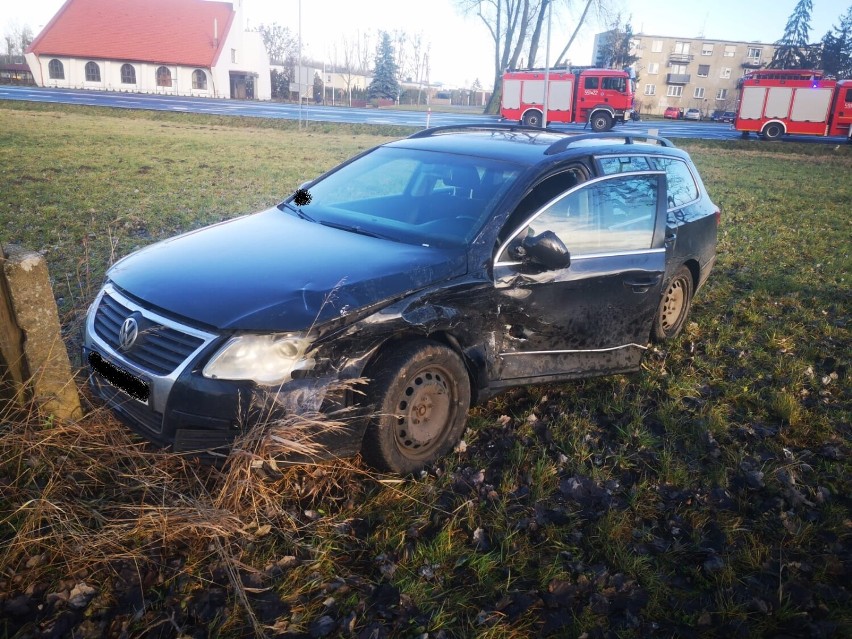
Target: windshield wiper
298, 211
360, 230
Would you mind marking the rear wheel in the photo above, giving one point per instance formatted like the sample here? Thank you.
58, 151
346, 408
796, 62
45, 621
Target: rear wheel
674, 306
601, 121
773, 131
532, 118
421, 395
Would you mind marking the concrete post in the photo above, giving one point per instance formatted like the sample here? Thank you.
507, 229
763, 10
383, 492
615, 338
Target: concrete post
33, 354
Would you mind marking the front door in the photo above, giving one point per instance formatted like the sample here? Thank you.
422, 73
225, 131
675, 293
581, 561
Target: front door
593, 316
238, 86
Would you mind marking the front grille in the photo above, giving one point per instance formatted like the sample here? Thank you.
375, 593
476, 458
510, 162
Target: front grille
159, 349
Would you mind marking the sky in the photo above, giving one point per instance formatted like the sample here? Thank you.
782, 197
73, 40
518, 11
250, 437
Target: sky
461, 46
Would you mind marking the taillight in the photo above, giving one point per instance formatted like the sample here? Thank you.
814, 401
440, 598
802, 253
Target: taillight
718, 215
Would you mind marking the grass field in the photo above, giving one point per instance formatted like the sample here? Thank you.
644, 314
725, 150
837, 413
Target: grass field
708, 495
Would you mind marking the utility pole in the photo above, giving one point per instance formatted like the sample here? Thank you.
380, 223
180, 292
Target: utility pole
547, 65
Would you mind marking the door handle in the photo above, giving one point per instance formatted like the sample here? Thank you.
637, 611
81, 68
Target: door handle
643, 285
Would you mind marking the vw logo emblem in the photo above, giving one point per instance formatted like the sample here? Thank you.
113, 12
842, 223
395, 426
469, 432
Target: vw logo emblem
128, 333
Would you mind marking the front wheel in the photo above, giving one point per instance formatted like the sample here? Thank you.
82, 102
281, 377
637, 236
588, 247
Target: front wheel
773, 131
421, 395
601, 121
674, 306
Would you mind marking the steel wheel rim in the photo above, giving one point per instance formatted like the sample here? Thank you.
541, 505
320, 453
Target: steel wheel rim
673, 304
424, 411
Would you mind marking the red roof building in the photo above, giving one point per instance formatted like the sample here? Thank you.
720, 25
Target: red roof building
178, 47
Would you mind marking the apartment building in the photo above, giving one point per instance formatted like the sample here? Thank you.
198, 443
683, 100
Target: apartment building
689, 73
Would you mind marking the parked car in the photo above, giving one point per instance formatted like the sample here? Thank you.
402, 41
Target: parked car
673, 113
444, 268
692, 114
723, 116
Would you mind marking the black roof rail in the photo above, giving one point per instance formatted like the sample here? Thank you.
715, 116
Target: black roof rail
562, 145
496, 126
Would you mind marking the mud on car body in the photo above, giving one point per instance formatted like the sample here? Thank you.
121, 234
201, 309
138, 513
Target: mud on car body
443, 268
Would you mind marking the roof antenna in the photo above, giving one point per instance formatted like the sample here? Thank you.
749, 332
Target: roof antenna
703, 26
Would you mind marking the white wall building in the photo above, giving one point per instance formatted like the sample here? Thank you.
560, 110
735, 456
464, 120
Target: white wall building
170, 47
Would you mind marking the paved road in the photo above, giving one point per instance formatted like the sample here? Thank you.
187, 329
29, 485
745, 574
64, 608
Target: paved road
314, 113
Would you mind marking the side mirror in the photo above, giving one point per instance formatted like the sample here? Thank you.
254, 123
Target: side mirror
546, 249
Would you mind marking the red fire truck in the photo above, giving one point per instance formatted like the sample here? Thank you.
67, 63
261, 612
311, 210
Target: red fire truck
802, 102
599, 97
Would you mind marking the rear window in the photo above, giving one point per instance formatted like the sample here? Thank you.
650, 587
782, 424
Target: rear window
681, 186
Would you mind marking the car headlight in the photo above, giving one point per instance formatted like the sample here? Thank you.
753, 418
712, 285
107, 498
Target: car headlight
265, 359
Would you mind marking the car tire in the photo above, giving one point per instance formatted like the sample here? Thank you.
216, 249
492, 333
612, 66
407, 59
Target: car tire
674, 306
420, 395
532, 118
601, 122
772, 131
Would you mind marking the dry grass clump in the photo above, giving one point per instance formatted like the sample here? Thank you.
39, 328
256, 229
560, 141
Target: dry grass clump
85, 499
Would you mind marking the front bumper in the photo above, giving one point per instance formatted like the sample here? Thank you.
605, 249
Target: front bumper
181, 408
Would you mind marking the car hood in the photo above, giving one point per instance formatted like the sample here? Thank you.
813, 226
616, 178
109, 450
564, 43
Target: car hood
274, 272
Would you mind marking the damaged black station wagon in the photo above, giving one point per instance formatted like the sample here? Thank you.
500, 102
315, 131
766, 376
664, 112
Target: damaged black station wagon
443, 268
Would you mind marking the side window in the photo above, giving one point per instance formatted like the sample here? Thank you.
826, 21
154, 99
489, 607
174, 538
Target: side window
590, 83
681, 185
624, 164
848, 97
614, 84
541, 194
611, 215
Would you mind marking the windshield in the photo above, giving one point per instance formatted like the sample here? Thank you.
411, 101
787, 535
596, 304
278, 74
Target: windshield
408, 195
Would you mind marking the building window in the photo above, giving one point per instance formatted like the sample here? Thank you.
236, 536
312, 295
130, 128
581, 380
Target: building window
698, 93
657, 46
681, 48
93, 72
653, 68
164, 77
706, 49
703, 70
674, 91
56, 70
234, 56
678, 69
725, 73
199, 80
722, 94
754, 54
128, 74
650, 89
730, 50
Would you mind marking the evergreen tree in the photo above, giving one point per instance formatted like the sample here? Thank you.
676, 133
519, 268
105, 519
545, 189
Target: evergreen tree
836, 55
384, 84
793, 50
615, 52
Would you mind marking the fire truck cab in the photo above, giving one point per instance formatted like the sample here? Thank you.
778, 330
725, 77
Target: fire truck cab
599, 97
774, 102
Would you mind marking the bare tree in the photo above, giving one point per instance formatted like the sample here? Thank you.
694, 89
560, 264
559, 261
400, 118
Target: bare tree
400, 41
364, 51
507, 22
419, 60
515, 26
350, 61
17, 38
